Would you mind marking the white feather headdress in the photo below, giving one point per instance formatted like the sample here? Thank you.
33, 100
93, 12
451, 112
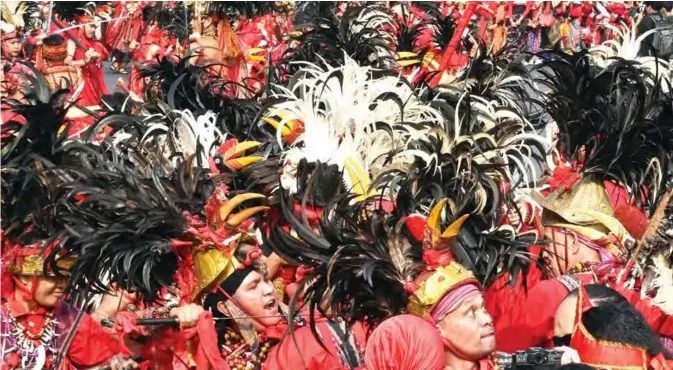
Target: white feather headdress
349, 116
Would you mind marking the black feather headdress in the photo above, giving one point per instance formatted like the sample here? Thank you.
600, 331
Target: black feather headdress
234, 10
184, 86
364, 33
117, 223
68, 11
360, 260
614, 121
31, 12
30, 143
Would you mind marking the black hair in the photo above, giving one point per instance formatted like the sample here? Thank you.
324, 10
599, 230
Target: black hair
656, 5
600, 294
53, 40
621, 323
668, 5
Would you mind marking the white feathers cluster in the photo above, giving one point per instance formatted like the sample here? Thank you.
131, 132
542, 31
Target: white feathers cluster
343, 109
626, 46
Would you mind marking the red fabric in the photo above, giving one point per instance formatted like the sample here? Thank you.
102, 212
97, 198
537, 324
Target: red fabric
24, 316
575, 11
208, 355
287, 355
514, 311
173, 349
125, 323
435, 259
92, 345
416, 226
600, 353
563, 176
92, 73
123, 31
634, 220
659, 362
405, 342
448, 58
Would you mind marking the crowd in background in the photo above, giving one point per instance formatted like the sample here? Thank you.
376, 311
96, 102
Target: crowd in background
336, 185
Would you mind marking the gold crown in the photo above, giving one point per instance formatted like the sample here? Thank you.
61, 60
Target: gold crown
435, 285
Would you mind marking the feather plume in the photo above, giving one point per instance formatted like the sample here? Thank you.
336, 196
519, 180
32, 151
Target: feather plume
615, 116
117, 223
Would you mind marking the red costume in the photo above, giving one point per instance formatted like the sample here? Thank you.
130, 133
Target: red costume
605, 354
34, 336
91, 345
124, 31
153, 44
405, 342
92, 72
308, 354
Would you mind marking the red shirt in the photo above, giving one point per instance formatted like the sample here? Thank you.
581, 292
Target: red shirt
288, 355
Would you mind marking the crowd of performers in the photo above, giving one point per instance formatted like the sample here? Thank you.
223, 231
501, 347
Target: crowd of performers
331, 185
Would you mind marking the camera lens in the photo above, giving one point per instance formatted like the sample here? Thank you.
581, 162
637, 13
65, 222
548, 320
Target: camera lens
539, 358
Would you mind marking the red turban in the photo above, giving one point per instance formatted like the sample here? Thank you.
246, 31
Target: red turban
405, 342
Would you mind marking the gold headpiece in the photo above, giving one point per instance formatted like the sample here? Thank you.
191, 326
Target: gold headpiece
433, 286
587, 194
213, 265
586, 209
33, 265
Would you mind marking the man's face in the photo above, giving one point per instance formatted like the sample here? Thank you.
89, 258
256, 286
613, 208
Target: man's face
564, 251
12, 47
258, 298
48, 289
470, 329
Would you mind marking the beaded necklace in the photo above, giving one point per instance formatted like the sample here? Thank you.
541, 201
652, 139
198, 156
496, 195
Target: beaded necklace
32, 348
241, 356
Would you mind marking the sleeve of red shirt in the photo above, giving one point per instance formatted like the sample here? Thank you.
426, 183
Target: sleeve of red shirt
92, 345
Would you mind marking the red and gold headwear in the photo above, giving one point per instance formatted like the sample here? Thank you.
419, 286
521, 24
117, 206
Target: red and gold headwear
10, 32
214, 259
443, 276
30, 261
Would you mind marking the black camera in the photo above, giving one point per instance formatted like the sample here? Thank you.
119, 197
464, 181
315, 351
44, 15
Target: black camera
533, 357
